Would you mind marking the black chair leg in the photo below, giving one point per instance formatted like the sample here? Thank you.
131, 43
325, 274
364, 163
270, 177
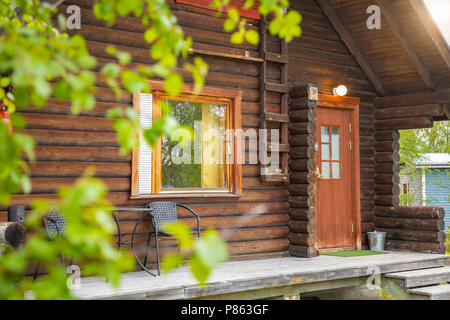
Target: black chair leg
36, 272
157, 254
146, 251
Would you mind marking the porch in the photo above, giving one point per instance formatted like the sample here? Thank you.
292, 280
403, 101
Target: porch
265, 278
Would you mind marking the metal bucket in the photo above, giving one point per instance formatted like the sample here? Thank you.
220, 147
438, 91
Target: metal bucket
376, 240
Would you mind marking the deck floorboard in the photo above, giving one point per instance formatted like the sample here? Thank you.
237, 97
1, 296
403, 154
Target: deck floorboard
239, 276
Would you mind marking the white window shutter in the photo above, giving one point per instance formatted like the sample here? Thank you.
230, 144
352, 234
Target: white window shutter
145, 151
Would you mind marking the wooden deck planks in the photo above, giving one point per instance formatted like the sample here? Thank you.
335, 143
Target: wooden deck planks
423, 277
249, 275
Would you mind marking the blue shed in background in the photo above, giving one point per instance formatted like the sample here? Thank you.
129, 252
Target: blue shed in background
428, 184
436, 175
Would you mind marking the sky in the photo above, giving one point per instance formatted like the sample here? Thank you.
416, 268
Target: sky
440, 11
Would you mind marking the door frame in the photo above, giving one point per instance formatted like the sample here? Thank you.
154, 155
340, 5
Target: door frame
351, 104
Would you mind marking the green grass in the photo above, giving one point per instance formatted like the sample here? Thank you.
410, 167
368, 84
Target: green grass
353, 253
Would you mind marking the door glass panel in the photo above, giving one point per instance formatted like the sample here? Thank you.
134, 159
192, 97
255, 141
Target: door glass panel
326, 170
336, 168
335, 143
325, 152
325, 134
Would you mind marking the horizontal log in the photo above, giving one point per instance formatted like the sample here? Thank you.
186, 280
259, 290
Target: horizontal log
82, 154
302, 177
50, 185
387, 157
297, 226
387, 178
367, 227
415, 246
406, 123
409, 223
303, 140
387, 135
390, 168
306, 127
387, 146
55, 169
303, 251
302, 201
62, 122
256, 200
428, 110
220, 223
302, 164
302, 239
385, 189
12, 233
73, 138
439, 97
414, 235
302, 189
302, 214
386, 200
416, 212
302, 115
302, 153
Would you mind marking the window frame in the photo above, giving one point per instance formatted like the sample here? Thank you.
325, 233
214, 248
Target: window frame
233, 98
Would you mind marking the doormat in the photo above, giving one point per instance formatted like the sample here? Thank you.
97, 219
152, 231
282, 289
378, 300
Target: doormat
353, 253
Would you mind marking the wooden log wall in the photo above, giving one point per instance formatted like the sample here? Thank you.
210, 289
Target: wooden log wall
412, 228
256, 223
408, 228
319, 56
67, 145
302, 178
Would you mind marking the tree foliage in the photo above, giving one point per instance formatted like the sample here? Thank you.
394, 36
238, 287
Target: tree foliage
415, 142
39, 61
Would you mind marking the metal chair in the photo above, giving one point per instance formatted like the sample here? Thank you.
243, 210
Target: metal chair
55, 225
160, 212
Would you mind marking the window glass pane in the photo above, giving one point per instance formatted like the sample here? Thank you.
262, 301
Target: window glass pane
325, 134
326, 170
325, 152
335, 143
181, 166
336, 170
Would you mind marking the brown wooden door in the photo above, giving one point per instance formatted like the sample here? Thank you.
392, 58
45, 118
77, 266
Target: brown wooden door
335, 210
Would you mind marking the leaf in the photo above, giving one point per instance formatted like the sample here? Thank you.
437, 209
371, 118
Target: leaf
229, 25
171, 261
252, 36
211, 249
180, 231
199, 270
173, 84
237, 38
62, 90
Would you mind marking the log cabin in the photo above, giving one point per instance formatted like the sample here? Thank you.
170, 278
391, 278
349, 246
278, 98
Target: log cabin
338, 172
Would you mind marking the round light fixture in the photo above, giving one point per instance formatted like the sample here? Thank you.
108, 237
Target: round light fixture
340, 90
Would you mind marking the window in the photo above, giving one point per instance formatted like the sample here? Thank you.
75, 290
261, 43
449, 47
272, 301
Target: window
330, 152
204, 164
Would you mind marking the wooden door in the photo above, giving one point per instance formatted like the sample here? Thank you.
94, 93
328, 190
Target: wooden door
335, 179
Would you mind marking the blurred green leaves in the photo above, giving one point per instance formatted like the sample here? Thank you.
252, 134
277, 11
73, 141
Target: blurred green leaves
39, 62
204, 254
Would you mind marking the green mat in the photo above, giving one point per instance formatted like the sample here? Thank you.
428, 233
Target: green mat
353, 253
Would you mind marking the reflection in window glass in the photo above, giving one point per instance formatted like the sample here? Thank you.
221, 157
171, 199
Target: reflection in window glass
325, 134
326, 170
325, 152
335, 143
209, 174
336, 166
